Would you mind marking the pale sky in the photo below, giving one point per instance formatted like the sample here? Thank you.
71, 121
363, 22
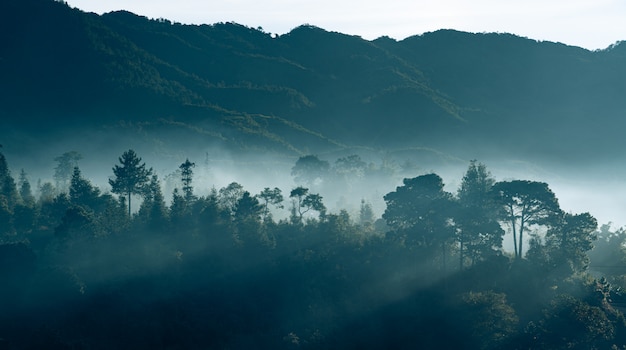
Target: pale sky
592, 24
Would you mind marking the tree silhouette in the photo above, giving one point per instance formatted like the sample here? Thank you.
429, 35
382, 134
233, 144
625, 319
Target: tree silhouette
229, 196
309, 170
186, 174
25, 189
248, 207
567, 241
417, 208
420, 212
82, 192
303, 202
270, 196
478, 231
130, 177
350, 167
76, 221
65, 168
8, 188
247, 219
153, 208
24, 213
179, 210
366, 214
525, 203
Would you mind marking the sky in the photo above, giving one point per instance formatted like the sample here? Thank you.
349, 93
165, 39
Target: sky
591, 24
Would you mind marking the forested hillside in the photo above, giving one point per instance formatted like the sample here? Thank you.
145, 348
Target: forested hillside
81, 270
308, 90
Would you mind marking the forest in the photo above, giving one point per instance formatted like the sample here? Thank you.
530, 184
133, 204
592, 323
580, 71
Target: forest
126, 265
173, 186
123, 76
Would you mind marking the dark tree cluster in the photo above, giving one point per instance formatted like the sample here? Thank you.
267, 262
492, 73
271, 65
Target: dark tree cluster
81, 270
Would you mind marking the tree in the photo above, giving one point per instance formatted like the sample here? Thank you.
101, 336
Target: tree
488, 317
310, 170
6, 218
25, 190
130, 177
77, 222
420, 212
179, 210
248, 207
570, 323
303, 202
478, 231
153, 207
350, 166
65, 168
566, 245
525, 203
24, 213
212, 218
24, 217
229, 196
186, 173
366, 214
273, 197
82, 192
8, 188
46, 192
608, 254
247, 217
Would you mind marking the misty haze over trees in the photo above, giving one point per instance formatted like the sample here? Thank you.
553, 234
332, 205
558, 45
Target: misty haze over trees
219, 271
217, 186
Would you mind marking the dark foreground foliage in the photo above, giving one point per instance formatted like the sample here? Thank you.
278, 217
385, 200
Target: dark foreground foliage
218, 272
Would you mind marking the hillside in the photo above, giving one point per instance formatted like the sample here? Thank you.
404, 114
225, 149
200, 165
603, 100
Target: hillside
66, 72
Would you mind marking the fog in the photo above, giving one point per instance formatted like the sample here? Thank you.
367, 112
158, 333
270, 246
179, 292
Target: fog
321, 283
596, 188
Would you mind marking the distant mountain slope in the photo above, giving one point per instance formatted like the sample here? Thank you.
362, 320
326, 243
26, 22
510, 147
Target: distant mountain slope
526, 89
306, 91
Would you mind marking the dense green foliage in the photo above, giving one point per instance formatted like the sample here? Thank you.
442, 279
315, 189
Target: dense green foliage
217, 271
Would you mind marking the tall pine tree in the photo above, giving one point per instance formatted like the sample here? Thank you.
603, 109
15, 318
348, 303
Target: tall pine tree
130, 177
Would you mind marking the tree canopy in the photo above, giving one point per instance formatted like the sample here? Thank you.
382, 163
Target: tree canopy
525, 203
219, 271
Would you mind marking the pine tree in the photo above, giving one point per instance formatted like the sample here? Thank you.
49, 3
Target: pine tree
478, 232
186, 178
366, 214
25, 189
8, 188
82, 192
131, 177
153, 208
65, 168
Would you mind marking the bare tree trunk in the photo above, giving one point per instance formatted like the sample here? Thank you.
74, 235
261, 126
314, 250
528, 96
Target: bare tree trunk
461, 255
514, 236
521, 234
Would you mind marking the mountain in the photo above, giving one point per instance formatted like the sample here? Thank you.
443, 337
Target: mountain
67, 74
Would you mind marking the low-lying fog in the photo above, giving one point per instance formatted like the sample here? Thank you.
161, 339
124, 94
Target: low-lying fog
597, 190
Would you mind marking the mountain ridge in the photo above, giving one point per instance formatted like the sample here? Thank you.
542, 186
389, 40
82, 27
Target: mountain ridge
309, 90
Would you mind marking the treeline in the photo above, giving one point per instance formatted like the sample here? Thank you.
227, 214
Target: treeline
81, 270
